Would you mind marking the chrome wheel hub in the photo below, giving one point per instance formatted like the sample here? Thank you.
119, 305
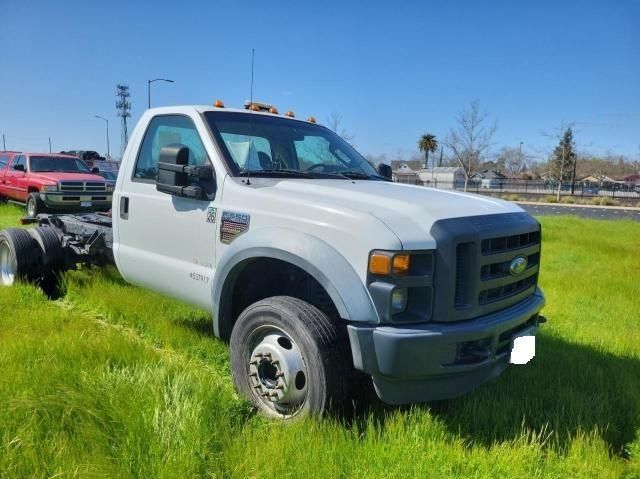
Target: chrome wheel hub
7, 272
277, 371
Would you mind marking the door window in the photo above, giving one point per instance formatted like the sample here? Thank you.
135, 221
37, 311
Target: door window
4, 159
163, 131
21, 160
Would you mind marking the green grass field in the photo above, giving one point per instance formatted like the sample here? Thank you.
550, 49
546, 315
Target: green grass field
114, 381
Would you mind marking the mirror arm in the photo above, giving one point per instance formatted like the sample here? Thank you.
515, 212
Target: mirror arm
203, 172
186, 191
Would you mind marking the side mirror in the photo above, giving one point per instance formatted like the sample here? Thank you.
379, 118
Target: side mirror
384, 170
95, 170
19, 168
175, 176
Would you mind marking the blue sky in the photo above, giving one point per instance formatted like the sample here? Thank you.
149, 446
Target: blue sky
393, 70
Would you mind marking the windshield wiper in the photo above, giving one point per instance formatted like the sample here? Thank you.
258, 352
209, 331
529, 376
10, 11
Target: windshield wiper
355, 175
275, 172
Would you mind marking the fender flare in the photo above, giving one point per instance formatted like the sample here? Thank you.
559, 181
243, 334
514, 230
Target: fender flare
311, 254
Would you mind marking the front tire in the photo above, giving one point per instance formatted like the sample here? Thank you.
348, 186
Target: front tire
288, 358
35, 206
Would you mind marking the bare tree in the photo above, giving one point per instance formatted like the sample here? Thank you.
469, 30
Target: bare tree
470, 140
511, 160
334, 122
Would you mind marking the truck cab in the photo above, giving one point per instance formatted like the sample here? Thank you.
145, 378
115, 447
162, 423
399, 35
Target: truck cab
314, 265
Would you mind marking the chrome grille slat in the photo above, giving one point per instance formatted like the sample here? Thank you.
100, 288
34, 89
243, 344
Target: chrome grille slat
83, 186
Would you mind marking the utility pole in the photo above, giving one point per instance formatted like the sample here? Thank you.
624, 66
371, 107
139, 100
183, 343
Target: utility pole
123, 107
49, 144
149, 82
4, 145
107, 121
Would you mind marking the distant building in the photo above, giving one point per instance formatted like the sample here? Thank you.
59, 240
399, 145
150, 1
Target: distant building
404, 173
415, 165
442, 177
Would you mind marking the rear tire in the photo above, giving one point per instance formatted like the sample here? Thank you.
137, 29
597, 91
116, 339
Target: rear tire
288, 358
35, 206
19, 257
53, 260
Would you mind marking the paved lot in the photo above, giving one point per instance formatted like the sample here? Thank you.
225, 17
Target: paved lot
585, 212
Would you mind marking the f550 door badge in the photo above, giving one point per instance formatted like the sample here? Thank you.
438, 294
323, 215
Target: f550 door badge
233, 225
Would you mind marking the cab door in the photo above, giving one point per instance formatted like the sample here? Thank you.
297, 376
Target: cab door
165, 242
14, 179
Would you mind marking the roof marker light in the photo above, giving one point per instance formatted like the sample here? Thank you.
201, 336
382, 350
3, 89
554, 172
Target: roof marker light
218, 104
290, 114
273, 110
311, 119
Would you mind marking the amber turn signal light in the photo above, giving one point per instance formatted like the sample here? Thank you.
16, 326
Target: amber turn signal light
401, 263
379, 264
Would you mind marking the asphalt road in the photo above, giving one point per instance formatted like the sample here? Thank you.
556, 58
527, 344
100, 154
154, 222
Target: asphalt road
585, 212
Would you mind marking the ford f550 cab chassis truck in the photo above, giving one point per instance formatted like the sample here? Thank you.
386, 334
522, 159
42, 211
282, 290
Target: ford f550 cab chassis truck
313, 264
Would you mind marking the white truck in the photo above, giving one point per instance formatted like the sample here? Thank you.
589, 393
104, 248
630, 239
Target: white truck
313, 264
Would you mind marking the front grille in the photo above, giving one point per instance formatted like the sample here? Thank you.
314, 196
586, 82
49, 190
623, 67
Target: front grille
474, 255
83, 187
497, 282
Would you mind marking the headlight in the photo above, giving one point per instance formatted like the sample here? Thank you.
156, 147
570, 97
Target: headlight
109, 188
47, 188
399, 300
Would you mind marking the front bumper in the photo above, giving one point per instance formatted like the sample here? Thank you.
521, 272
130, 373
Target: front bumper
76, 201
435, 361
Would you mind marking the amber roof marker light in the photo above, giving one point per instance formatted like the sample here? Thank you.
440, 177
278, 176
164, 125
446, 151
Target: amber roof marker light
290, 114
218, 104
312, 119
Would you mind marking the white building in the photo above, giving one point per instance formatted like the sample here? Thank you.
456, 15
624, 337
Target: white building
442, 177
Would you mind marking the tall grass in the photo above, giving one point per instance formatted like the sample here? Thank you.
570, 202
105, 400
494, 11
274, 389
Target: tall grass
115, 381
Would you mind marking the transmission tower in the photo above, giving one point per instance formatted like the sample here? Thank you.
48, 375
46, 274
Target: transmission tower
123, 107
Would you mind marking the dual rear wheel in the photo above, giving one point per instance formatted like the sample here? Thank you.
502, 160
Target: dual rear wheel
33, 255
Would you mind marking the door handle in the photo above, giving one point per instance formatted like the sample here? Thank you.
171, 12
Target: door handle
124, 207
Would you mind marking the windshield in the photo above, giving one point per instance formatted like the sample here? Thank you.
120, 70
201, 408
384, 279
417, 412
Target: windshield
57, 163
276, 146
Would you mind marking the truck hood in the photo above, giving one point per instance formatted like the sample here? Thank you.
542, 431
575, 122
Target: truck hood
409, 211
61, 176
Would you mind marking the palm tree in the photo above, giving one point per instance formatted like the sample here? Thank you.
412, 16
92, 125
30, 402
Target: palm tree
427, 143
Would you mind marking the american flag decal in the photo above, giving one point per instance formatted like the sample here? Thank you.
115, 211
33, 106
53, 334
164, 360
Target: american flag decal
233, 225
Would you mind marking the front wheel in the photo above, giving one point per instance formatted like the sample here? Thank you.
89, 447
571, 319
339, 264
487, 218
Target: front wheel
35, 206
288, 358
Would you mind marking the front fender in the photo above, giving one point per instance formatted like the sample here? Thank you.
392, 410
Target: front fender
309, 253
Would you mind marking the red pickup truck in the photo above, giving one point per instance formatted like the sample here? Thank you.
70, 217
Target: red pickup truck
52, 182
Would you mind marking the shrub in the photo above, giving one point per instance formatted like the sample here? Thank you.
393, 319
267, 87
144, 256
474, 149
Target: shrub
512, 197
550, 199
605, 201
568, 199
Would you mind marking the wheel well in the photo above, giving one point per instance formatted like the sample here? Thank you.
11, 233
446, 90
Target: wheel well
32, 189
261, 278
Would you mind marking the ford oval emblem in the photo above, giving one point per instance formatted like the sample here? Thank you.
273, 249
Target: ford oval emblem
518, 265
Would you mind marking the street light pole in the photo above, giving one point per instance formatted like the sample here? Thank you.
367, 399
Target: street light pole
149, 82
107, 122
